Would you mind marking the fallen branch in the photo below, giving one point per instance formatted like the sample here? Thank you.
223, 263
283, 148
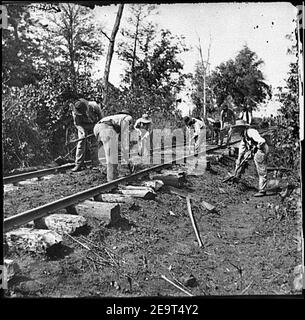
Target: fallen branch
171, 282
80, 243
188, 201
184, 194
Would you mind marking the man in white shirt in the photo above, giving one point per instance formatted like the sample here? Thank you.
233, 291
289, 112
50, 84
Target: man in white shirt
198, 126
144, 127
251, 140
107, 131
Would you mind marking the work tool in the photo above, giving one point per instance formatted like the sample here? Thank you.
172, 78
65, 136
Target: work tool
242, 163
62, 160
86, 137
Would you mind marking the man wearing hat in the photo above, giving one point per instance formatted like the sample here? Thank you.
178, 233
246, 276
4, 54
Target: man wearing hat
144, 127
251, 140
198, 126
108, 131
85, 115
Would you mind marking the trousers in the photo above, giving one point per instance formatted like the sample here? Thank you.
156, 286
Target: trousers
109, 140
82, 146
260, 160
199, 140
226, 131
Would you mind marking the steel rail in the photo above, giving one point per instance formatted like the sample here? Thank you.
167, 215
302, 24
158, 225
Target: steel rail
44, 172
35, 174
40, 173
41, 211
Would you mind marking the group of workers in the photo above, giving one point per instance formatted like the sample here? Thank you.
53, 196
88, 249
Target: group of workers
109, 130
107, 133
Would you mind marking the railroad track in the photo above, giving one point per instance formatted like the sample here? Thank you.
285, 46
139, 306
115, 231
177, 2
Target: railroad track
74, 199
11, 179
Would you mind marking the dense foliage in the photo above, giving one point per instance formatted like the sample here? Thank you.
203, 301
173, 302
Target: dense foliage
287, 136
48, 63
240, 77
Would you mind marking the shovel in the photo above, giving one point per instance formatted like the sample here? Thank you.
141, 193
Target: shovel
62, 160
86, 137
242, 163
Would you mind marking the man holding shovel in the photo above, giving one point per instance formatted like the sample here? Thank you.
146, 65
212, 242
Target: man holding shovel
85, 115
252, 144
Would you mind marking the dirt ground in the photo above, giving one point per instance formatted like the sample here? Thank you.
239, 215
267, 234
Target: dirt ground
250, 245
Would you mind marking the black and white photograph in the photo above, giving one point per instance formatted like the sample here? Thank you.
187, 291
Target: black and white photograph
152, 150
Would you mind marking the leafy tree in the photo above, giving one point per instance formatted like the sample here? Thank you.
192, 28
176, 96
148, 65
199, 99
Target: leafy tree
242, 79
72, 41
20, 48
24, 143
138, 36
67, 47
154, 74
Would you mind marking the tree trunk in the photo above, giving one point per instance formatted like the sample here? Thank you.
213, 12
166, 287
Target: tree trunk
110, 53
134, 52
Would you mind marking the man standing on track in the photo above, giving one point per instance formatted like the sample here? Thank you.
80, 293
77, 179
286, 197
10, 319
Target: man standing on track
144, 128
108, 131
252, 141
227, 119
199, 131
85, 115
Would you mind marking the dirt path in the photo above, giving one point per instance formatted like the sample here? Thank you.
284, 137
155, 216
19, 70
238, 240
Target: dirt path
248, 248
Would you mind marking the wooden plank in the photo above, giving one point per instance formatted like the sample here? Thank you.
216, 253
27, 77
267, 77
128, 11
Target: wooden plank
170, 180
113, 198
146, 194
61, 223
110, 213
32, 240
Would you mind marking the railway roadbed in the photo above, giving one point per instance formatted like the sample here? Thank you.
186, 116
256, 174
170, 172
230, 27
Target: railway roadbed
249, 244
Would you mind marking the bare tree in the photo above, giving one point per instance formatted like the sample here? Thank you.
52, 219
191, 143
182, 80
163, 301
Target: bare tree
205, 67
110, 53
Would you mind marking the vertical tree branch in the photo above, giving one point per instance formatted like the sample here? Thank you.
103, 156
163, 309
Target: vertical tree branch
110, 53
134, 50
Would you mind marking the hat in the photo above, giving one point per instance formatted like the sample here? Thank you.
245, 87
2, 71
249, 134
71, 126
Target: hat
80, 107
240, 124
145, 118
